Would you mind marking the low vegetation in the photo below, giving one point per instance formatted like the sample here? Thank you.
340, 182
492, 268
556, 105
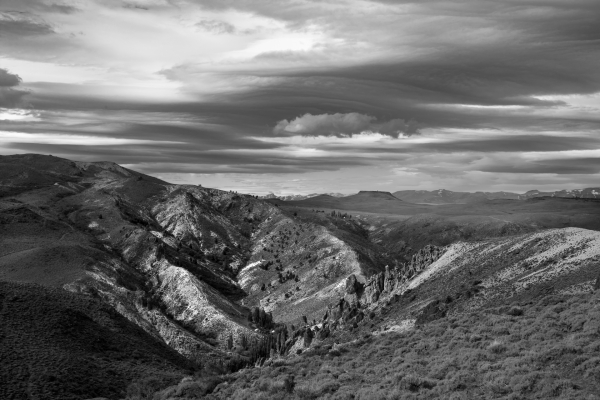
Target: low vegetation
60, 345
543, 349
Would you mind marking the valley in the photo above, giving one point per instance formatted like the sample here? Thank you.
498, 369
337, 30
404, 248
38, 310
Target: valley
199, 283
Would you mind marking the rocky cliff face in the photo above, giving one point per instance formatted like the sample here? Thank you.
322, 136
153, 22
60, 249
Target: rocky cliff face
386, 282
358, 301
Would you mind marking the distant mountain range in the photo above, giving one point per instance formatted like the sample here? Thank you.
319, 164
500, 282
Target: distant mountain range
443, 196
293, 197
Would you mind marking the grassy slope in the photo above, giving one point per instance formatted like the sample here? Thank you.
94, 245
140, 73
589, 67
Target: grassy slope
59, 345
552, 350
519, 321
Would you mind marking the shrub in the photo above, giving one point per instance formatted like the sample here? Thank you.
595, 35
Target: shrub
289, 384
415, 383
515, 311
497, 347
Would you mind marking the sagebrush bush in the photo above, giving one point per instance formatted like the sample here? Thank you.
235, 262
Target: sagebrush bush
497, 347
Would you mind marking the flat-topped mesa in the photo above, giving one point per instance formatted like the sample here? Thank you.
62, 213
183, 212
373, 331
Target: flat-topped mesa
377, 194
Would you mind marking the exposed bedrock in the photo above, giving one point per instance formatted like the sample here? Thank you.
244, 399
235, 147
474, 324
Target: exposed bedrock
385, 282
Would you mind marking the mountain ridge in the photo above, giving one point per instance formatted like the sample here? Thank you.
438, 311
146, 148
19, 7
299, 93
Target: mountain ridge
167, 257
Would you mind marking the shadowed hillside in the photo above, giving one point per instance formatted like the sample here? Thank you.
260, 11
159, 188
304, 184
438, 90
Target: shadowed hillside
61, 345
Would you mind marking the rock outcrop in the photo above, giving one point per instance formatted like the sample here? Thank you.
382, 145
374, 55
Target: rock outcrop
386, 282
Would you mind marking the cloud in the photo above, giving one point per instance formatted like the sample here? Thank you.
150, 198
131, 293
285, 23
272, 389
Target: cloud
505, 144
10, 96
60, 8
7, 79
215, 26
343, 125
20, 23
569, 166
487, 81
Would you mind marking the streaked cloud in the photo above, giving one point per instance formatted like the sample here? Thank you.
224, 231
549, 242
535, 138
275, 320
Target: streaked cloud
465, 94
21, 23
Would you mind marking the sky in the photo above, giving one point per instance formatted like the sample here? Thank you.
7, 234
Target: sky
298, 97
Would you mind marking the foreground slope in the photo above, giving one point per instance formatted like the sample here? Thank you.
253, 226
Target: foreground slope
547, 350
513, 317
61, 345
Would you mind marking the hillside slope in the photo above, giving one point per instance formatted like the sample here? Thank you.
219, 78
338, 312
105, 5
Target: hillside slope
513, 317
467, 277
550, 351
300, 261
169, 257
61, 345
